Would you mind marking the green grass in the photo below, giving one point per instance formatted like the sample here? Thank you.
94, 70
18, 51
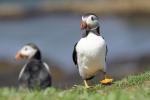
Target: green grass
135, 87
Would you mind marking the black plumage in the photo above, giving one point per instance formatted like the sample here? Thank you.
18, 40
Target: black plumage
35, 75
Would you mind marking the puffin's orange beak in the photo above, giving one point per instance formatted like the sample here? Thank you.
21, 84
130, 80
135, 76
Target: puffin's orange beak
89, 26
83, 25
18, 56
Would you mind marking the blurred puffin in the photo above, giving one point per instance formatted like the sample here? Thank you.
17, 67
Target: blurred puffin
35, 73
89, 53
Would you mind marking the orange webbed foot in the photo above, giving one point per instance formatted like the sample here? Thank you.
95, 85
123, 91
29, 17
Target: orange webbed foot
106, 81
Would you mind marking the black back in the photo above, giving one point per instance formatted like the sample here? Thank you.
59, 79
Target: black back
35, 75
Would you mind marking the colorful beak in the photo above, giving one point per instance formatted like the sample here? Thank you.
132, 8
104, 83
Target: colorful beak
83, 25
89, 26
18, 56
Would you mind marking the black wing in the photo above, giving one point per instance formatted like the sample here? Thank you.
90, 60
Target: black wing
106, 50
74, 55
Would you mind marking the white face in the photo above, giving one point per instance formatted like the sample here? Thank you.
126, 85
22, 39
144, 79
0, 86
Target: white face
91, 21
28, 51
84, 18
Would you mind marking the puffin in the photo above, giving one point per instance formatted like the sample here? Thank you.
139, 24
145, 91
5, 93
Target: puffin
35, 73
89, 53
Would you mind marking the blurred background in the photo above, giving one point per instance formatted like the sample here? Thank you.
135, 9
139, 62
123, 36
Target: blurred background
54, 25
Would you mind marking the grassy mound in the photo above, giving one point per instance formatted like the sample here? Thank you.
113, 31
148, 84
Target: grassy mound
135, 87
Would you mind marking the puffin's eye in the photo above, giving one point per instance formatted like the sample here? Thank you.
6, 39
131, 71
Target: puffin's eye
26, 49
92, 18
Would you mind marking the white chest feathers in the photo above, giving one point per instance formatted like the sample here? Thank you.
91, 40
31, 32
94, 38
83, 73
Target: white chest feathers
91, 52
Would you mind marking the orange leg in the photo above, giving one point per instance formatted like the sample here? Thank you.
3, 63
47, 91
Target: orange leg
86, 84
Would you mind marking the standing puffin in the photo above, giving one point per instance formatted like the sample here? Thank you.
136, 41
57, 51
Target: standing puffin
89, 53
35, 73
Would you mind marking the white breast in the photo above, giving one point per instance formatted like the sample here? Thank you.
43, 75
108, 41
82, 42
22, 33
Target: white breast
91, 52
